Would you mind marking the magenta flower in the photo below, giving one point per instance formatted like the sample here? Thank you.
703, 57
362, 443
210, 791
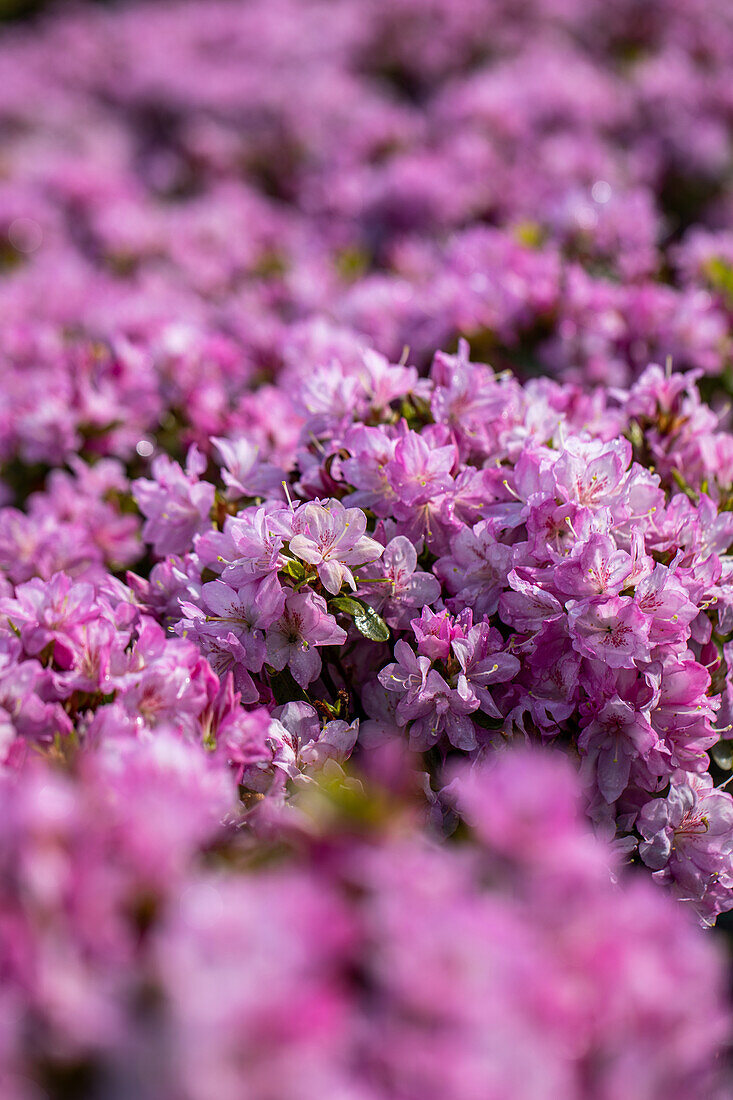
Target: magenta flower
417, 472
442, 709
401, 588
234, 238
475, 571
176, 504
664, 598
23, 711
590, 473
595, 568
684, 714
483, 663
294, 638
50, 613
245, 612
243, 472
299, 742
331, 537
612, 741
257, 538
435, 632
613, 631
407, 676
366, 470
688, 842
428, 702
528, 606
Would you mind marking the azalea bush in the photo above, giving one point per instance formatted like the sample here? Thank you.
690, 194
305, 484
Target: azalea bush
366, 551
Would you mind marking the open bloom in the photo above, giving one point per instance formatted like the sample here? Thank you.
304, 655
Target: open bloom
176, 503
331, 537
613, 631
614, 738
400, 589
303, 626
429, 702
245, 613
483, 663
688, 842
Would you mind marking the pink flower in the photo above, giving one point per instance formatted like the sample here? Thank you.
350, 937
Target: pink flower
483, 663
417, 472
176, 504
688, 842
595, 568
612, 741
50, 613
528, 606
400, 588
613, 631
331, 537
590, 473
475, 571
293, 639
435, 631
245, 612
244, 474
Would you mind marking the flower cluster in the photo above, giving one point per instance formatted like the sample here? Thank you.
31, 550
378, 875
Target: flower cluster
84, 668
359, 960
539, 568
549, 180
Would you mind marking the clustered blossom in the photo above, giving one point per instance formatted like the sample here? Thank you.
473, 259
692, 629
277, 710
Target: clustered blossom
363, 961
531, 573
264, 606
83, 666
366, 550
549, 180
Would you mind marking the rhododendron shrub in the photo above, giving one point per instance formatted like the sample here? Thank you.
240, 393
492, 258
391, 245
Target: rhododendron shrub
366, 550
360, 958
531, 574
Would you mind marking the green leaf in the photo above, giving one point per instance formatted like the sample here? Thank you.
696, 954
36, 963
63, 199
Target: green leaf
347, 604
294, 569
372, 625
366, 620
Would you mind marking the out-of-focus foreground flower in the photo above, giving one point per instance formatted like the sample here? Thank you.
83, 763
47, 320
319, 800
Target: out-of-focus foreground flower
150, 951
